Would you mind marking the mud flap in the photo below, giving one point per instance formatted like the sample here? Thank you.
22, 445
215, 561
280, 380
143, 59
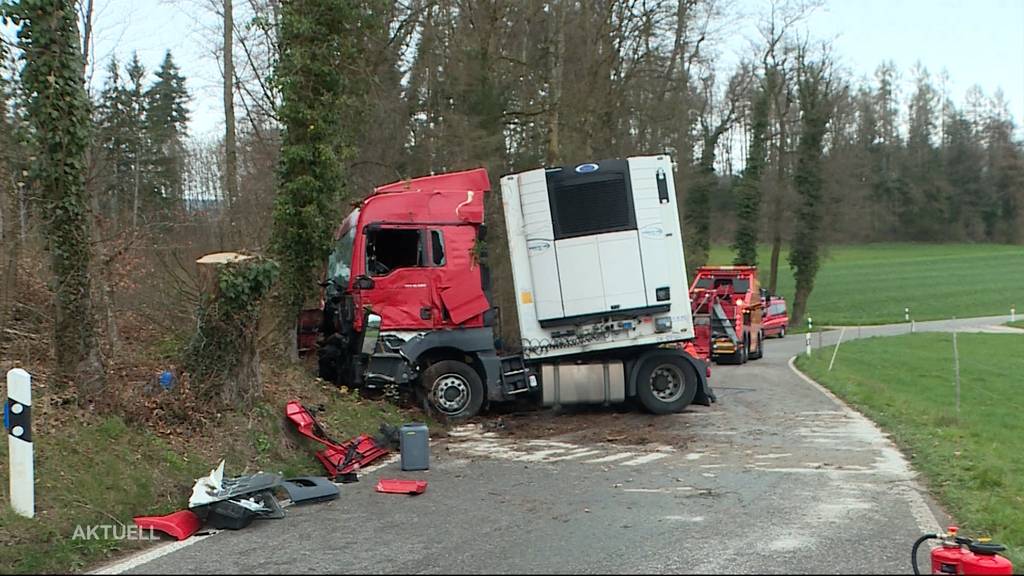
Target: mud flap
705, 395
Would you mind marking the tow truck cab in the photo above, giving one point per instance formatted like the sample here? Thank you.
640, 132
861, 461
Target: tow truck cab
728, 311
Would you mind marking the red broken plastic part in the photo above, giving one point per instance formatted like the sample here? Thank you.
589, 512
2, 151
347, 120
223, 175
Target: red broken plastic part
392, 486
336, 458
180, 524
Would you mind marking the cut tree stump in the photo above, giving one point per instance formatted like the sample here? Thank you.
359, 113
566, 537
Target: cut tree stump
223, 357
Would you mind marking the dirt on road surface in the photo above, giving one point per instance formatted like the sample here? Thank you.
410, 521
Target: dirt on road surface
776, 477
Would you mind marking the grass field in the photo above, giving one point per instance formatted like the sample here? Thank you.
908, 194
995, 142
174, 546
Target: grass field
871, 284
975, 464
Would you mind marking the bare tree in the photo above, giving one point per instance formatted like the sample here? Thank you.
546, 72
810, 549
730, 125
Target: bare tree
230, 145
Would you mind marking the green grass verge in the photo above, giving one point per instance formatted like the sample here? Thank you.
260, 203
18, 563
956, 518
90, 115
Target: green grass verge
871, 284
1017, 324
974, 464
101, 471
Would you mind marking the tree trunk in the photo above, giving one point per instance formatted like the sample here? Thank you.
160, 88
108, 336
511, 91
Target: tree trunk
135, 191
223, 357
230, 146
22, 212
796, 317
553, 157
773, 281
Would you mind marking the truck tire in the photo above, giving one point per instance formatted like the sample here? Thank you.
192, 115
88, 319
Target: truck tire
453, 389
666, 384
760, 347
328, 357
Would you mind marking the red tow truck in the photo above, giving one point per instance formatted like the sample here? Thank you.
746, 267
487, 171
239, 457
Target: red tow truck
727, 314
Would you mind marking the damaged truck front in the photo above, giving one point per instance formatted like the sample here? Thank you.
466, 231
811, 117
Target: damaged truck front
601, 292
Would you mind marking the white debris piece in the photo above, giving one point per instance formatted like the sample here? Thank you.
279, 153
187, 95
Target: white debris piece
204, 489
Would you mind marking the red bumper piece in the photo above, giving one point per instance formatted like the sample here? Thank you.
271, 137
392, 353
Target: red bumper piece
180, 524
337, 458
402, 486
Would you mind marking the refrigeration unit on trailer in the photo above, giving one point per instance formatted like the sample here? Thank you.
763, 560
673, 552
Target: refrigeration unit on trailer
598, 273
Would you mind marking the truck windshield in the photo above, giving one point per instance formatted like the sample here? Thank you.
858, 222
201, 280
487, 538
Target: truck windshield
339, 265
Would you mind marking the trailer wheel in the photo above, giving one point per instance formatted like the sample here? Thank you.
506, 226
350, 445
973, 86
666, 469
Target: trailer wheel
760, 347
666, 384
453, 389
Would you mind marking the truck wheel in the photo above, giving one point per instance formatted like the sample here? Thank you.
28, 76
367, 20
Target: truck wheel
327, 362
760, 347
666, 384
782, 332
453, 389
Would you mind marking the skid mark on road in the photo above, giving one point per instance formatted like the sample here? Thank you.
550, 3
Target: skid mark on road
471, 439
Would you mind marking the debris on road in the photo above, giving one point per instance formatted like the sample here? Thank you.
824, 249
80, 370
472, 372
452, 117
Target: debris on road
180, 524
415, 447
394, 486
310, 489
341, 460
233, 503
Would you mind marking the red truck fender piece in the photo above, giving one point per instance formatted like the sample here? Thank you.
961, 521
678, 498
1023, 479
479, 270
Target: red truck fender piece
337, 458
180, 524
392, 486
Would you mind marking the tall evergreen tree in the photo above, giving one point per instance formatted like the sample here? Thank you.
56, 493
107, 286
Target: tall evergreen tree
135, 131
114, 135
166, 128
923, 204
58, 112
748, 193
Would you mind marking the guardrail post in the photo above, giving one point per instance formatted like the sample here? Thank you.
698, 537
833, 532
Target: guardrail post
18, 422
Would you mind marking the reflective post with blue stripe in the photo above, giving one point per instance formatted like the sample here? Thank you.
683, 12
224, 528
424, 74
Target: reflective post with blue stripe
18, 422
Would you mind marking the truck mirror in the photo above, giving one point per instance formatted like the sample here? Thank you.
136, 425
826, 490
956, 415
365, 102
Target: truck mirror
371, 333
364, 283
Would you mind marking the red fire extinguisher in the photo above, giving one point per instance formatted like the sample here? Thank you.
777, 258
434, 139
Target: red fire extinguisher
980, 557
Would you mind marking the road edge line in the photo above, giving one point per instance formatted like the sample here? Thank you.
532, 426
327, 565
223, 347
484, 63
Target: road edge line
924, 514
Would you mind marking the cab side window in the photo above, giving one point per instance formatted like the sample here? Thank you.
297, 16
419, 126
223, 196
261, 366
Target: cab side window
388, 249
437, 248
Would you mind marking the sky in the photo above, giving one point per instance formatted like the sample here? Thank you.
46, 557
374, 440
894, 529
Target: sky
975, 41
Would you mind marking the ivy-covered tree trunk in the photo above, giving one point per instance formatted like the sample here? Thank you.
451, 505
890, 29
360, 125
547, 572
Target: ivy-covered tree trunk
222, 359
319, 48
815, 112
58, 113
748, 195
698, 207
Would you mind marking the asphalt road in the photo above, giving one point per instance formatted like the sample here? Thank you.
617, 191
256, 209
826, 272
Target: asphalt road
777, 477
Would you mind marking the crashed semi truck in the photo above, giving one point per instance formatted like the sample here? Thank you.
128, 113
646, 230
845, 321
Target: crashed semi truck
597, 270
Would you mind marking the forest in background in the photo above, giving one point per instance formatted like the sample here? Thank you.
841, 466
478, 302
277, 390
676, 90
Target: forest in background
785, 149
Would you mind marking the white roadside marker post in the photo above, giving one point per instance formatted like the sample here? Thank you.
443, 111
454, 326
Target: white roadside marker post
1013, 314
810, 324
836, 349
18, 419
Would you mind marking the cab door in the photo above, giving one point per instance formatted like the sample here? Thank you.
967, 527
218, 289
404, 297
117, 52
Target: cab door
399, 286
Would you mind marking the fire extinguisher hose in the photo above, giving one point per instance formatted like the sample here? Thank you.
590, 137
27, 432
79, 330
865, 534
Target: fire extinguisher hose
917, 544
